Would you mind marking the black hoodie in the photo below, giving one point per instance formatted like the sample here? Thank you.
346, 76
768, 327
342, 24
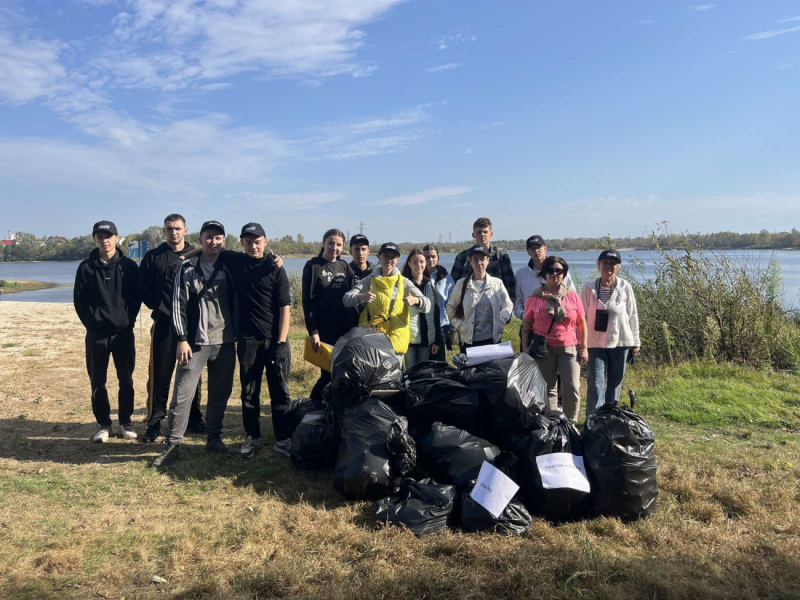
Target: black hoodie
157, 279
106, 296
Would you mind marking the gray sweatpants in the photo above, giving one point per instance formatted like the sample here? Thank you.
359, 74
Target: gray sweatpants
562, 361
221, 361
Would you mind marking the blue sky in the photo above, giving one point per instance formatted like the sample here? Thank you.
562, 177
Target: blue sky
557, 118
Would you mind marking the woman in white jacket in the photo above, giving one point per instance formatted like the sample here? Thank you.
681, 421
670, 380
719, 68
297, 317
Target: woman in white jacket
613, 326
479, 306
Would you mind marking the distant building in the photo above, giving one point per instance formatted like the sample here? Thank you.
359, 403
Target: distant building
10, 239
55, 239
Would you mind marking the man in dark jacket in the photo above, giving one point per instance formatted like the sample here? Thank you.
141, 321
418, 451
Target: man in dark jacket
156, 282
107, 301
359, 250
205, 316
499, 260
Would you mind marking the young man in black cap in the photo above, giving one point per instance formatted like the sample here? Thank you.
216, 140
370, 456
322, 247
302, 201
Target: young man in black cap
156, 282
264, 309
530, 276
359, 250
499, 260
205, 316
107, 301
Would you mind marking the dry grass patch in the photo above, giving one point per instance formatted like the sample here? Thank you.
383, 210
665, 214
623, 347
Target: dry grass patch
83, 520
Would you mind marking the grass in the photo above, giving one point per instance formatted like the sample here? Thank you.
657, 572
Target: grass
12, 287
82, 520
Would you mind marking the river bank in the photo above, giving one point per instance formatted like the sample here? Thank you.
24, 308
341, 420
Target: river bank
11, 286
93, 520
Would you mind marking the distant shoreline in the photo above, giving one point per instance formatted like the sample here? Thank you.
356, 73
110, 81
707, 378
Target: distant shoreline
14, 286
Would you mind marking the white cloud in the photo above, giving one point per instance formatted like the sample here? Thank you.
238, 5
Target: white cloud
460, 36
291, 202
770, 34
703, 7
425, 196
445, 67
468, 151
789, 20
462, 205
174, 45
29, 68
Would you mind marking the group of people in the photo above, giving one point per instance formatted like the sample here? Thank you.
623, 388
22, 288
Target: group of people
212, 305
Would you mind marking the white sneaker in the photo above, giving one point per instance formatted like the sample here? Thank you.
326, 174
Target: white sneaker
101, 436
249, 447
128, 432
283, 446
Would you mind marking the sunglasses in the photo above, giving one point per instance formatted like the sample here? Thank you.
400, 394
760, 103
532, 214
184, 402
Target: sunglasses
554, 272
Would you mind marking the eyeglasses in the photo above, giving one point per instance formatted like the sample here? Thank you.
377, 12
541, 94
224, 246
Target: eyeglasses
554, 272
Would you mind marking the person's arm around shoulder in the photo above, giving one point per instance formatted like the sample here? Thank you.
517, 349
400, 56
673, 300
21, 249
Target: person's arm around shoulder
360, 294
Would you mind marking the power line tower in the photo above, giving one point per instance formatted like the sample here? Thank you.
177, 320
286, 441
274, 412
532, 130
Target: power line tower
361, 227
449, 237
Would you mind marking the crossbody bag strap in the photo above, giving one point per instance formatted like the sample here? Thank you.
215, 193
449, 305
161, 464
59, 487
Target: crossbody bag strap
394, 297
208, 283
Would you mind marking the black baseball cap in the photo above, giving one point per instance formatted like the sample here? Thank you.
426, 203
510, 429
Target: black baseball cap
359, 239
253, 229
104, 227
535, 240
480, 250
610, 254
389, 247
213, 225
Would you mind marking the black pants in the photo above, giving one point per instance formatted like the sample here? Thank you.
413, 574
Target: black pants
99, 347
163, 347
255, 357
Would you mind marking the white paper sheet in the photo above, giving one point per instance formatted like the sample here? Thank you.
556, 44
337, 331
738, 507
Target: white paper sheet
493, 489
563, 470
480, 354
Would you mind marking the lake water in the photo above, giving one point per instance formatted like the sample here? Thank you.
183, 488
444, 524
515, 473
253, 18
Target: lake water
582, 267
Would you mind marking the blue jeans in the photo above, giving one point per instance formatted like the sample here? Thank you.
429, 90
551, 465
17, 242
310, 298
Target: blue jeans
606, 369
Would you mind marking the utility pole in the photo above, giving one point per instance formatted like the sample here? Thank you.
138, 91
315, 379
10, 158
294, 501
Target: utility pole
361, 227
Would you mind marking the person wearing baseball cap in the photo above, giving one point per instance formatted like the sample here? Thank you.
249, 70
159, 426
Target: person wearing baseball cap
205, 320
479, 306
613, 325
530, 276
386, 296
106, 298
359, 250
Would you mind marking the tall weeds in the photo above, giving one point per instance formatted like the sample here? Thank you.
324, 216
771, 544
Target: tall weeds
712, 305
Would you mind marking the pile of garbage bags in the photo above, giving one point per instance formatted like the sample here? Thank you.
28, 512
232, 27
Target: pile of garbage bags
471, 447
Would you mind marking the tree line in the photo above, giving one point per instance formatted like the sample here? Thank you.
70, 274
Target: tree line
31, 247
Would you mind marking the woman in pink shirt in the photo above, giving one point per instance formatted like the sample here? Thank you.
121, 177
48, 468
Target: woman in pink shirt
557, 313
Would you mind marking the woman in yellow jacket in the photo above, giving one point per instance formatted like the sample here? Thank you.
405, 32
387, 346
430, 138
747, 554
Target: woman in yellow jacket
387, 295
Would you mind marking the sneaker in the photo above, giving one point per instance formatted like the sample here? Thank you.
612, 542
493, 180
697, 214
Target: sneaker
283, 446
101, 437
249, 447
151, 435
217, 446
128, 432
167, 457
196, 426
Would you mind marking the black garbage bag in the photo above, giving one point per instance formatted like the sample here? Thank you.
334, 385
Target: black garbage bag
514, 520
452, 455
375, 451
619, 450
443, 400
362, 361
433, 369
297, 409
424, 506
552, 434
314, 442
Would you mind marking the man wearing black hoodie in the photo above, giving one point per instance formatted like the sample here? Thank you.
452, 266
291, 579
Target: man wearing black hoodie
156, 282
107, 301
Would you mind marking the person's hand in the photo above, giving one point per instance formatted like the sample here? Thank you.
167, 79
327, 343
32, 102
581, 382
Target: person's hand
366, 297
315, 343
636, 351
583, 356
409, 299
277, 260
435, 349
184, 354
282, 353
